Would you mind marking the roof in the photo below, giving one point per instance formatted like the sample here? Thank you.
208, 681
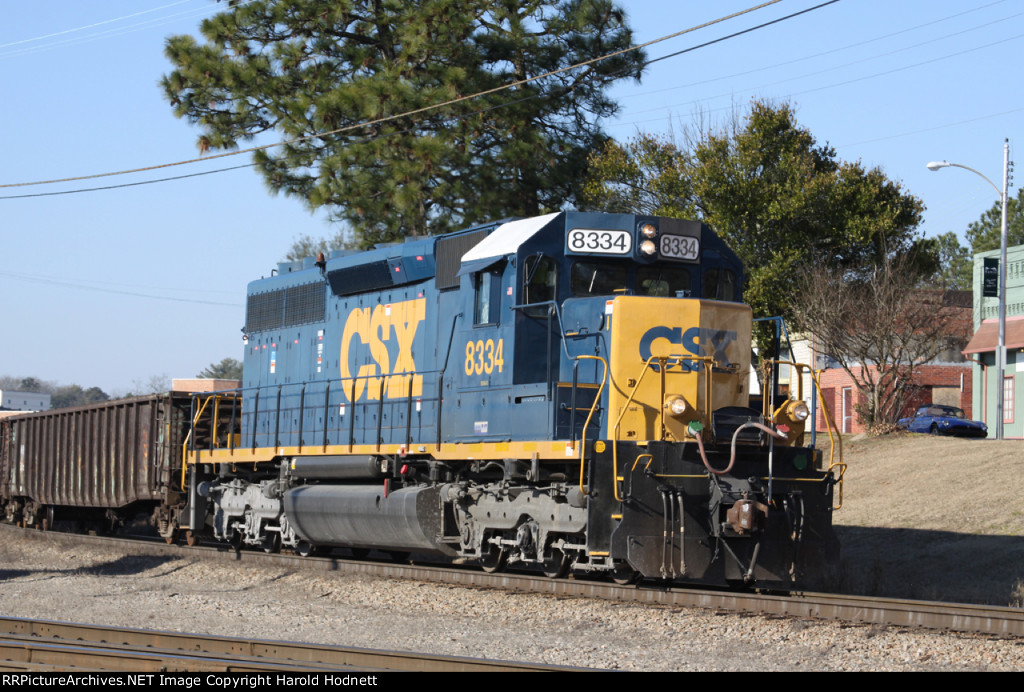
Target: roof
987, 337
507, 238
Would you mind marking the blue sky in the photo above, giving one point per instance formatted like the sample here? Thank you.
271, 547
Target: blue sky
113, 287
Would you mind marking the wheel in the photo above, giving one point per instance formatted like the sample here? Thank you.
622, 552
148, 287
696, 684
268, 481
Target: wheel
271, 542
934, 430
557, 565
494, 559
624, 575
307, 549
191, 539
235, 539
46, 523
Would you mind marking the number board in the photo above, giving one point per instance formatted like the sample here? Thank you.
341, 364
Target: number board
682, 247
599, 242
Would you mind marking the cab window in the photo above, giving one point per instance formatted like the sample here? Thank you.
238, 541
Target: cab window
597, 279
719, 284
664, 282
540, 283
488, 297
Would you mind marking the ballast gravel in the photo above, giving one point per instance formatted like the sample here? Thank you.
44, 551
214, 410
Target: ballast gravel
102, 586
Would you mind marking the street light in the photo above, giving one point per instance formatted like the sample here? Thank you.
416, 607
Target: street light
1001, 346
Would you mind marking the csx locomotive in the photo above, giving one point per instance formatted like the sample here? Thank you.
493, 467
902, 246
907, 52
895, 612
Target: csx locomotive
570, 392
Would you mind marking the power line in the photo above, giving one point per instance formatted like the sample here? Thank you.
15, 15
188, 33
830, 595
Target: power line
91, 26
849, 81
406, 114
100, 289
405, 131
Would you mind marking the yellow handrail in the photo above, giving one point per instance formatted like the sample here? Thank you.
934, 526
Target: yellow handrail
835, 438
188, 437
708, 362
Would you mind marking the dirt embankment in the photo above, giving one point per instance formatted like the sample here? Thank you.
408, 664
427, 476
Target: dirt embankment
933, 518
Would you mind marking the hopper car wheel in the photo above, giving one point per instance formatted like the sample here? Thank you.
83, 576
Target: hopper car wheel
271, 542
191, 539
360, 553
235, 539
306, 549
46, 522
557, 565
494, 560
624, 575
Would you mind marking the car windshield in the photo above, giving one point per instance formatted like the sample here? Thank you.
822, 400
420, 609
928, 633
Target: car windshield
947, 411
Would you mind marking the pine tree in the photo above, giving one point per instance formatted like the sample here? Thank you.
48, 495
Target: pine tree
329, 76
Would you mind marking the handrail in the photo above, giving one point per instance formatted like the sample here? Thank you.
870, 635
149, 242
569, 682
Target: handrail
708, 362
586, 423
835, 437
188, 437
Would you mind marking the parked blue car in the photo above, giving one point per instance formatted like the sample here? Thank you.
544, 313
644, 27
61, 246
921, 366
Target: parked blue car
943, 420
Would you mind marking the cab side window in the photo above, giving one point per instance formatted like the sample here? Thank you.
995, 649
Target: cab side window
488, 297
719, 284
540, 283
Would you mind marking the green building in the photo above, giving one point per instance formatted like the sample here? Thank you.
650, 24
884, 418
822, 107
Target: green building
987, 382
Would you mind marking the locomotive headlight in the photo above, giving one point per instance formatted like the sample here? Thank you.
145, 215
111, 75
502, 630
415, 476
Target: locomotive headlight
798, 410
648, 247
648, 230
677, 405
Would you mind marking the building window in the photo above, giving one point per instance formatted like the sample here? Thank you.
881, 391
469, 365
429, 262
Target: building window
1008, 399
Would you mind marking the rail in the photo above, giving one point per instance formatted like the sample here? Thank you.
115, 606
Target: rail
708, 363
337, 402
835, 438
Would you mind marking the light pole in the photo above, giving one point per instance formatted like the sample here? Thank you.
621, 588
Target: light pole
1001, 347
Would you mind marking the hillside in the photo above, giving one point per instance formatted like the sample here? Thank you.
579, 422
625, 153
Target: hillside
933, 518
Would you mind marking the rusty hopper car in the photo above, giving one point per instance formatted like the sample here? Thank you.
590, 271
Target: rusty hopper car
97, 465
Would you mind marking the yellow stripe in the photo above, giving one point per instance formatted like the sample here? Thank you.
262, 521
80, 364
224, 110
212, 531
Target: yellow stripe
560, 450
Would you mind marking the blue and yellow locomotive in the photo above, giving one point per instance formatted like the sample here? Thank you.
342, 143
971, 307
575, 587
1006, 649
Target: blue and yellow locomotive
570, 391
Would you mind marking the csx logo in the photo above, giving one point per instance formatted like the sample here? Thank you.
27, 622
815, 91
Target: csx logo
385, 334
699, 341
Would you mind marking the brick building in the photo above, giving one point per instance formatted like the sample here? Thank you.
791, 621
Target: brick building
946, 380
936, 383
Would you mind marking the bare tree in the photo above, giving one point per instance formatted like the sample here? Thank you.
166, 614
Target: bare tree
880, 325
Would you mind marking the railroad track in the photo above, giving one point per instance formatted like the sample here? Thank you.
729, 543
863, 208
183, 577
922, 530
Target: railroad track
47, 645
989, 620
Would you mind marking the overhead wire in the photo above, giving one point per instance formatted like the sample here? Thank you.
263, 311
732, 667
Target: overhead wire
421, 110
418, 111
85, 286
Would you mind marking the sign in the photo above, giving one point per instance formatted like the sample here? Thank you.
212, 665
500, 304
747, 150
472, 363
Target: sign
990, 278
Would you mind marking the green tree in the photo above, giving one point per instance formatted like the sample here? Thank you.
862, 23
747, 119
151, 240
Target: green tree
74, 395
955, 265
783, 202
227, 369
307, 69
984, 234
648, 174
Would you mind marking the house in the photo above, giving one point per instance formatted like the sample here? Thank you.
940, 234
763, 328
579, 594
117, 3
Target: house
987, 382
23, 401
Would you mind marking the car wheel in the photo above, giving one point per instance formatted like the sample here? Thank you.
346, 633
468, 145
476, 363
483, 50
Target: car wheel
934, 429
